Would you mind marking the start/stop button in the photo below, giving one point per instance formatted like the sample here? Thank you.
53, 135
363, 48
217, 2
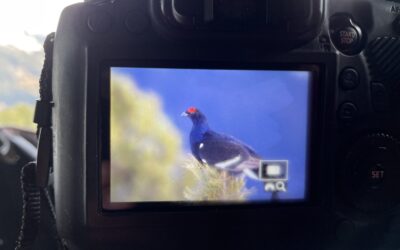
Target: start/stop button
347, 37
345, 34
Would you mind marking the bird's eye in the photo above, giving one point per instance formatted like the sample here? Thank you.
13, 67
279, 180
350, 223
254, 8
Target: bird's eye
191, 110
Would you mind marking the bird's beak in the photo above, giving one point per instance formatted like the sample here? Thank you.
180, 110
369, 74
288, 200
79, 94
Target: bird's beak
184, 114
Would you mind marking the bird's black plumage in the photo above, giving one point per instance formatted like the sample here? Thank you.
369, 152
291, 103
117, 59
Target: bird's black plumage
218, 150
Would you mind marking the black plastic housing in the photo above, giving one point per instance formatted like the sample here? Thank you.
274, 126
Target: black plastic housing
93, 36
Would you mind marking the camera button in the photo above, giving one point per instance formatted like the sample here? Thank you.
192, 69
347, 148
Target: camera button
379, 97
346, 35
349, 79
376, 176
347, 111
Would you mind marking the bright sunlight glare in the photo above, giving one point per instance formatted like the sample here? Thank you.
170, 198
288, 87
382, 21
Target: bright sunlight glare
23, 21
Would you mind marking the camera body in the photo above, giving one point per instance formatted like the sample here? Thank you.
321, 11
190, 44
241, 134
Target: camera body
351, 48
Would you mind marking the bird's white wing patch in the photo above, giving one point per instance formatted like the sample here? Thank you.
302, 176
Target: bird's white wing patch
204, 161
201, 145
227, 163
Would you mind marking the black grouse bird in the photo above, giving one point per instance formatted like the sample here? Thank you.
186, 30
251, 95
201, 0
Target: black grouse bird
220, 151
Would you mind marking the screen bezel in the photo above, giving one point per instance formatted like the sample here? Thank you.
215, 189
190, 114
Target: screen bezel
314, 128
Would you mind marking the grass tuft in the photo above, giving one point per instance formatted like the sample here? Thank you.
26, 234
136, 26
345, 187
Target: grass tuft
213, 184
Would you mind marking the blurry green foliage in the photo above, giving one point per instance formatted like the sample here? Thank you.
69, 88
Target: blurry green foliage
19, 115
19, 74
145, 145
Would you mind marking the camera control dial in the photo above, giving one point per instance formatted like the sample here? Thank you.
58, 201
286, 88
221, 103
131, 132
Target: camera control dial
372, 173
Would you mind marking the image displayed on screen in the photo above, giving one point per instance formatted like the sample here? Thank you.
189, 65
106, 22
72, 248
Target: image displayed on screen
208, 135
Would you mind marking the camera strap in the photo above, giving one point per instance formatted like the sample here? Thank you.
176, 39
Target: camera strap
43, 116
37, 201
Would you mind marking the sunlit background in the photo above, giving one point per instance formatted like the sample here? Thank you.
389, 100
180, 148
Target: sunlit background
24, 25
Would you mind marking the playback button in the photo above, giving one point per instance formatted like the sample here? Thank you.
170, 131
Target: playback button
349, 79
347, 111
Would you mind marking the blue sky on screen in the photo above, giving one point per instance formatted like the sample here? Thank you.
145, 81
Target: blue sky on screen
267, 110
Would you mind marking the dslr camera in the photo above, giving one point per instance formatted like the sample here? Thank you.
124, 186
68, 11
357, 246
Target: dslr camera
241, 124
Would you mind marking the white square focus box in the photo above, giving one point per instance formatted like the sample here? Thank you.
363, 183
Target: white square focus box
274, 170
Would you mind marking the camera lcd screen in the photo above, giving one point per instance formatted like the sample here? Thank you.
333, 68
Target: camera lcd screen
207, 135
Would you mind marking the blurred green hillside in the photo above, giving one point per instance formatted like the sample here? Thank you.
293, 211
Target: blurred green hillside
145, 146
19, 115
19, 86
19, 75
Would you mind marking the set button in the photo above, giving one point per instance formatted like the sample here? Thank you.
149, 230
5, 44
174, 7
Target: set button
372, 173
